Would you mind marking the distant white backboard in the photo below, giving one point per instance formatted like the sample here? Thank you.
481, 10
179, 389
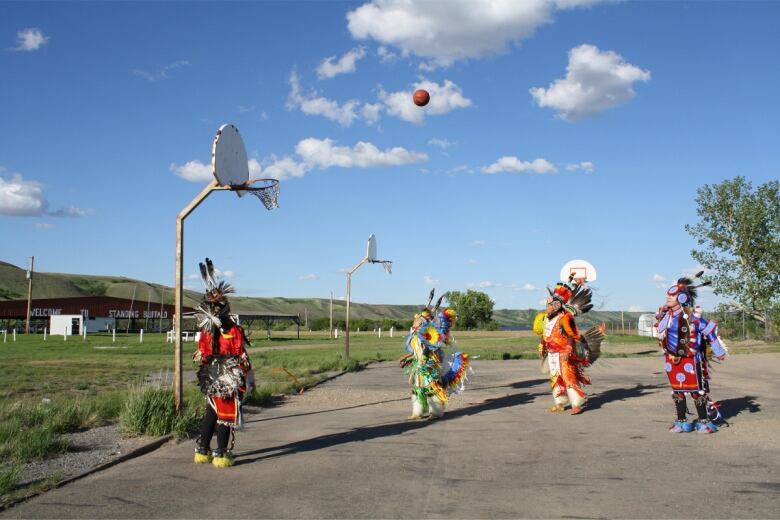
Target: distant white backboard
371, 248
581, 269
228, 157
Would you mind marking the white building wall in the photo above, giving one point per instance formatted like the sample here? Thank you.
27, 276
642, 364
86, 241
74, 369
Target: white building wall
62, 324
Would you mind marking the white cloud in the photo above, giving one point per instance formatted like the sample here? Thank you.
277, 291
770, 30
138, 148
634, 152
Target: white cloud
429, 280
71, 211
324, 154
595, 81
371, 112
445, 98
312, 153
385, 54
20, 198
193, 171
526, 287
471, 261
635, 308
441, 143
515, 165
328, 68
245, 109
224, 274
477, 243
444, 32
43, 225
160, 74
660, 281
312, 104
281, 169
264, 116
309, 277
30, 39
485, 284
585, 166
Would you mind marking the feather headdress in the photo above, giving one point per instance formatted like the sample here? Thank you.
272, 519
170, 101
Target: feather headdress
684, 291
215, 306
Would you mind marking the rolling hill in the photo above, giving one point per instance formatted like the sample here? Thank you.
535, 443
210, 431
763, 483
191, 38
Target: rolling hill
13, 286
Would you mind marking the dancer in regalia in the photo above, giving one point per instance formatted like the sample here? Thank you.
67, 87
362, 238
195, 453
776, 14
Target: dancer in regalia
431, 385
224, 367
566, 350
689, 342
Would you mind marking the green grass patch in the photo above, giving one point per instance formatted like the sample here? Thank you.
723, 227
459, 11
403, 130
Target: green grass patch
9, 476
151, 411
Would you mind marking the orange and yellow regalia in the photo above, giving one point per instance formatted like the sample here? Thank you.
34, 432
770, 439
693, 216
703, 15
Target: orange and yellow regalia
566, 350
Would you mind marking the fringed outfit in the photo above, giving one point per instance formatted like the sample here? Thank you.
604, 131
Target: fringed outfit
568, 351
689, 341
431, 383
223, 372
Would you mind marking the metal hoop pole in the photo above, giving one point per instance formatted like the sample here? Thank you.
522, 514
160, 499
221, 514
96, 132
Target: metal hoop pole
178, 293
349, 283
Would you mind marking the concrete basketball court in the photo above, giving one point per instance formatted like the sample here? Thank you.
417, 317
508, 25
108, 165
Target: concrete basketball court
344, 450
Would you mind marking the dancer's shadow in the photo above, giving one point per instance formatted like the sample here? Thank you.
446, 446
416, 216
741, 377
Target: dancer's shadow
329, 410
373, 432
519, 384
620, 394
732, 407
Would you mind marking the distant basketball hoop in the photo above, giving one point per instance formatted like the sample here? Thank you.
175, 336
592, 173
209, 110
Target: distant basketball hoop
580, 271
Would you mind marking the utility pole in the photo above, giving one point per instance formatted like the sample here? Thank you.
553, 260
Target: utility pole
330, 330
29, 293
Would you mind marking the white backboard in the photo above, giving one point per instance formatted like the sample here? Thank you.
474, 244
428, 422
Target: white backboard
580, 269
228, 157
371, 248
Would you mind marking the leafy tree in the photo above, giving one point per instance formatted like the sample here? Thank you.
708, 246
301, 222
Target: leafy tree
740, 234
474, 308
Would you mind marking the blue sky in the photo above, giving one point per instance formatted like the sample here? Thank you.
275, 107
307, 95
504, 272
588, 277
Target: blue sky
556, 130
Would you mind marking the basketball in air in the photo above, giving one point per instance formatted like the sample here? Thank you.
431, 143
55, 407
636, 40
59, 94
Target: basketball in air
421, 97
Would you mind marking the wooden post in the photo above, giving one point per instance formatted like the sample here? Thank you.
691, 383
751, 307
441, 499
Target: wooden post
330, 327
179, 292
349, 284
29, 293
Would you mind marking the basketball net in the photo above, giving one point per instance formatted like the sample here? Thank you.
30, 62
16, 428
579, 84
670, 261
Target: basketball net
386, 264
268, 193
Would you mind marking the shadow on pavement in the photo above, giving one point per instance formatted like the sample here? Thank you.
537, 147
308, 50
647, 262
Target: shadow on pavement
732, 407
374, 432
620, 394
327, 411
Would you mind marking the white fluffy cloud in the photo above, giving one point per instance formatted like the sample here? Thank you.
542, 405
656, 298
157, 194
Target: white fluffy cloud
585, 166
312, 153
30, 39
430, 280
444, 99
20, 198
331, 67
514, 165
323, 153
193, 171
446, 31
312, 104
595, 81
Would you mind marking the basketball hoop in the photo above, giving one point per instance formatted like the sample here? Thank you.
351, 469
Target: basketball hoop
267, 191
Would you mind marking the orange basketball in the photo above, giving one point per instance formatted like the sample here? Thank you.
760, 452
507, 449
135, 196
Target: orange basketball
421, 97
